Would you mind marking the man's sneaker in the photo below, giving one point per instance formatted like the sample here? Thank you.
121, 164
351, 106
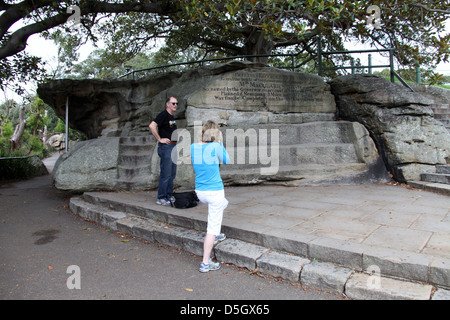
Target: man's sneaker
220, 238
211, 266
163, 202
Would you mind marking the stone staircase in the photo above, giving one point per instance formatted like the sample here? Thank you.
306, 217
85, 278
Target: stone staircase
135, 158
442, 113
437, 182
313, 153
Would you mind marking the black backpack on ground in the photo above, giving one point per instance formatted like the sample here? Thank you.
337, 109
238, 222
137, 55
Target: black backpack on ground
183, 200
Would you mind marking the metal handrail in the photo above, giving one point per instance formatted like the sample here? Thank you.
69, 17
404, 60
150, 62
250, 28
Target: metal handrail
292, 55
394, 74
320, 53
401, 80
24, 157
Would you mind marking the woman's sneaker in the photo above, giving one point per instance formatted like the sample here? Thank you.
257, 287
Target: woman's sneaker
211, 266
220, 238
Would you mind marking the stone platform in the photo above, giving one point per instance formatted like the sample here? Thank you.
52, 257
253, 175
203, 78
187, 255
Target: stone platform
375, 241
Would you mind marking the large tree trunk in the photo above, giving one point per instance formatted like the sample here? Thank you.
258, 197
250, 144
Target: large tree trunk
258, 45
19, 130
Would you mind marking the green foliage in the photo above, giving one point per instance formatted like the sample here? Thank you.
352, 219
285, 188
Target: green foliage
60, 127
436, 79
7, 129
215, 28
19, 168
37, 115
427, 77
18, 163
20, 69
196, 29
36, 146
406, 26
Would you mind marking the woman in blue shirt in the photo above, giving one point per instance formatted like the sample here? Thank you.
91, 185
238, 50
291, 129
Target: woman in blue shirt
206, 157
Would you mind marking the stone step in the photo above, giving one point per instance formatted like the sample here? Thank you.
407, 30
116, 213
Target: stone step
136, 149
431, 186
362, 286
442, 114
135, 160
441, 110
179, 229
323, 153
127, 173
436, 178
134, 184
444, 119
327, 149
306, 133
445, 169
137, 140
292, 155
309, 174
96, 212
446, 122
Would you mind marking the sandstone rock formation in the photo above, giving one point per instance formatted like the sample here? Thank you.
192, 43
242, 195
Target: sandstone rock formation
441, 101
400, 121
279, 127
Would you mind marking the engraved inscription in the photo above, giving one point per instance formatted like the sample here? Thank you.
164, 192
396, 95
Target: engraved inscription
254, 87
269, 91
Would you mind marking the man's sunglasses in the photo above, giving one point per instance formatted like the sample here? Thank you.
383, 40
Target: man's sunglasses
174, 103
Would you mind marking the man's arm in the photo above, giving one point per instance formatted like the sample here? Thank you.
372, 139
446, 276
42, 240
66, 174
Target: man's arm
154, 129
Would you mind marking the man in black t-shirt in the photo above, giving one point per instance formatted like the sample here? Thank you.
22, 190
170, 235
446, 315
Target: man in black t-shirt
162, 127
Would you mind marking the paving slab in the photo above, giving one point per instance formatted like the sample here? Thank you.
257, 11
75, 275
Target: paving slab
395, 237
398, 263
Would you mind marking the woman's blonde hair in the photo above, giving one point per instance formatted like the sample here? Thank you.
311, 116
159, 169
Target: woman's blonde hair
211, 132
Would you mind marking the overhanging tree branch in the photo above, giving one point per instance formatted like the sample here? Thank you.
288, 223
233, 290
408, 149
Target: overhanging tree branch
419, 5
244, 27
17, 41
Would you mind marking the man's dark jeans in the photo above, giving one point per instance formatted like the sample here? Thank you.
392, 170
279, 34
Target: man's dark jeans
168, 170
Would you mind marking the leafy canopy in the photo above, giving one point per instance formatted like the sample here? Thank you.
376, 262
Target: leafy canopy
415, 29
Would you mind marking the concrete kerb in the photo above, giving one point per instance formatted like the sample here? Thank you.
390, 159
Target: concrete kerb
318, 262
